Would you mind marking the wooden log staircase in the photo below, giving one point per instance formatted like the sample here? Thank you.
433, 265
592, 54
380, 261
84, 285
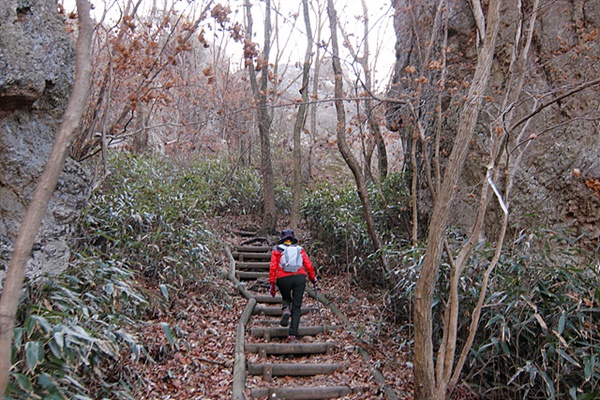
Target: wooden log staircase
266, 365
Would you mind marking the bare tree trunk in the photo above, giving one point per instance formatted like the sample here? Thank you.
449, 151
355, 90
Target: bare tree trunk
373, 125
517, 74
315, 87
426, 386
343, 145
413, 187
140, 140
43, 191
300, 121
269, 221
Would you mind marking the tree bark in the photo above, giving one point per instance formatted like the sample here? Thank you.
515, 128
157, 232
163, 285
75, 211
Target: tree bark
382, 159
300, 121
343, 145
43, 191
426, 386
269, 220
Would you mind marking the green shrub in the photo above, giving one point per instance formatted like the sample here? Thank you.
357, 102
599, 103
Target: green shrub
148, 220
72, 332
539, 335
334, 215
152, 212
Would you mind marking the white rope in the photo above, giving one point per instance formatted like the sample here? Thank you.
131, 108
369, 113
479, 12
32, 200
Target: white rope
498, 195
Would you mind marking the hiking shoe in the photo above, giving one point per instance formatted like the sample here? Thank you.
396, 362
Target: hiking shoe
285, 317
291, 339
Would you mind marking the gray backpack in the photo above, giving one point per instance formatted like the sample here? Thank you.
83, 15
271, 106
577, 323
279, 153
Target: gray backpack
291, 258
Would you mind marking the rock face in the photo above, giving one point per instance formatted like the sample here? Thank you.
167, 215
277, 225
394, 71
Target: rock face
558, 180
36, 72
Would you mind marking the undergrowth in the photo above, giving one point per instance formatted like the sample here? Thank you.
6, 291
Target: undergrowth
539, 335
540, 331
334, 215
142, 242
73, 332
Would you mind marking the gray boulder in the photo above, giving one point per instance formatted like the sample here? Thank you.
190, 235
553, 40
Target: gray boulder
36, 73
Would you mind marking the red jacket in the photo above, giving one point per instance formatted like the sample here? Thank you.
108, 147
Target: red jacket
277, 272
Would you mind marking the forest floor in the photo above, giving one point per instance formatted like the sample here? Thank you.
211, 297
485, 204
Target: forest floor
198, 363
203, 368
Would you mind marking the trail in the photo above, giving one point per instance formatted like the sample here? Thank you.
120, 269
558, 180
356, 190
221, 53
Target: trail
326, 362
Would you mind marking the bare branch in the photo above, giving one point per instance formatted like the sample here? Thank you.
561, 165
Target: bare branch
577, 89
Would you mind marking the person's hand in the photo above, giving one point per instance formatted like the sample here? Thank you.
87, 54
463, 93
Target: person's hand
273, 291
314, 280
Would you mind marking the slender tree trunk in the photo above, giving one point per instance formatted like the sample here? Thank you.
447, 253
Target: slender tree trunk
376, 139
300, 121
426, 387
43, 191
343, 145
413, 186
517, 74
382, 159
269, 221
315, 87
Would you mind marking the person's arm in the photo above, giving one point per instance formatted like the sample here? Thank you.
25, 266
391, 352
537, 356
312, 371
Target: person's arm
308, 266
275, 257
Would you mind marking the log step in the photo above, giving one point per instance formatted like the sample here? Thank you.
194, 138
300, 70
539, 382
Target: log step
301, 393
267, 322
252, 265
251, 275
283, 332
268, 299
264, 349
294, 369
277, 311
253, 249
245, 256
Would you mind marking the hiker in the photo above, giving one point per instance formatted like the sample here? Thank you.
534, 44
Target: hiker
289, 267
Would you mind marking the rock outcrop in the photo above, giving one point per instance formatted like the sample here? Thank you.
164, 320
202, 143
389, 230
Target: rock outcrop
36, 73
558, 181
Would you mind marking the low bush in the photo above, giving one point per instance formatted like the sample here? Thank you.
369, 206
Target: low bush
540, 332
147, 225
72, 333
539, 335
334, 215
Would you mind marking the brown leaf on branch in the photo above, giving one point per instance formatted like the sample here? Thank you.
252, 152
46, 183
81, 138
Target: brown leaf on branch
220, 14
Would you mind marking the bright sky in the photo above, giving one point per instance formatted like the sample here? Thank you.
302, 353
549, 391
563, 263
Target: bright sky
292, 39
381, 32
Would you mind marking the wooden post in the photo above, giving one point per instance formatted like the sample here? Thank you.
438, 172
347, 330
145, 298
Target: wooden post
267, 373
262, 352
239, 286
239, 364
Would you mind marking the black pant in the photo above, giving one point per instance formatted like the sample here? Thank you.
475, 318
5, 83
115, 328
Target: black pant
292, 291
